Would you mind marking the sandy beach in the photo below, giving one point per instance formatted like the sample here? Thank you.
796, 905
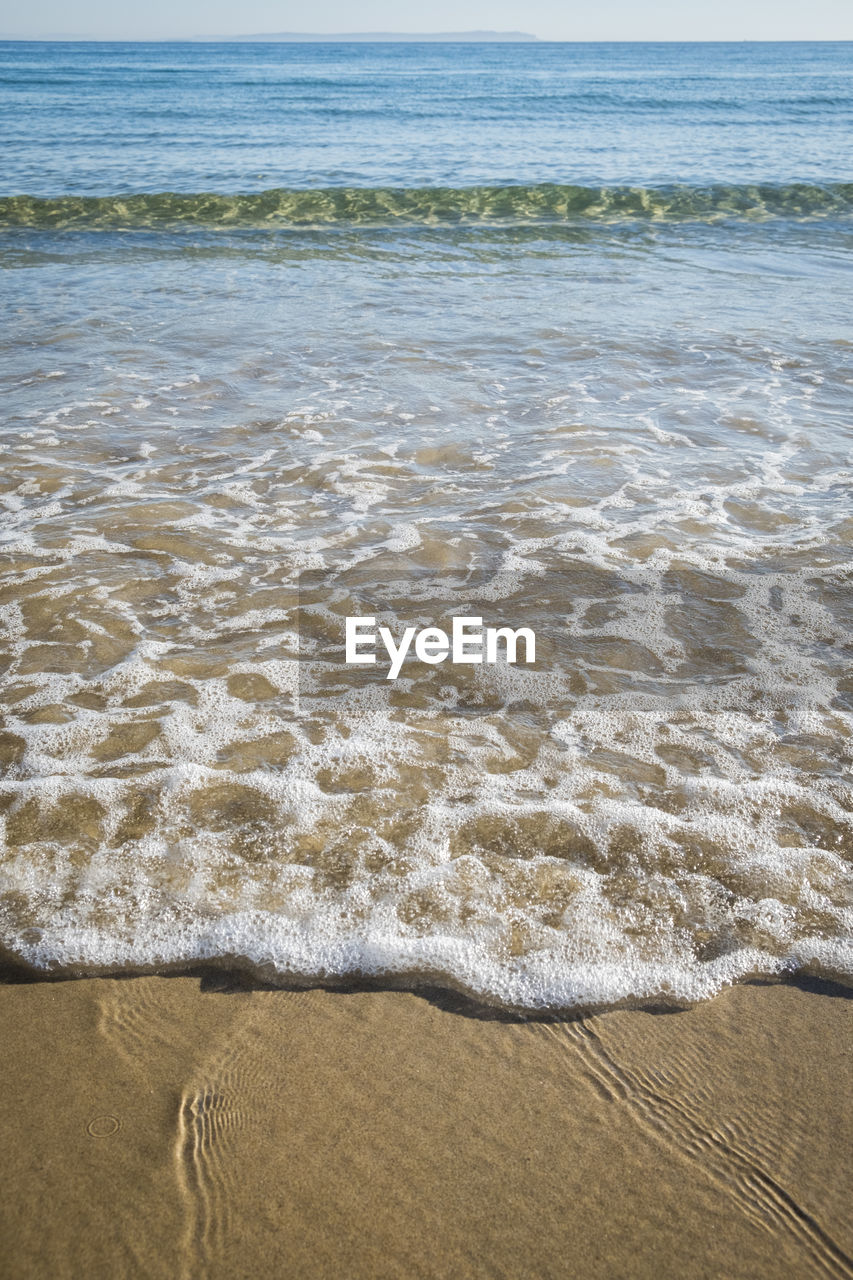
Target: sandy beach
199, 1127
425, 568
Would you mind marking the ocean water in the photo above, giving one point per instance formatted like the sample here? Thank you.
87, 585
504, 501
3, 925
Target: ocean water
557, 335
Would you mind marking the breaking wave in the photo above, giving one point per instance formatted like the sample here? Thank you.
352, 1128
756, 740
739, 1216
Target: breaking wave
378, 206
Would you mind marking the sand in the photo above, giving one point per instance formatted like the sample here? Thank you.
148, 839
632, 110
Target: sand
195, 1127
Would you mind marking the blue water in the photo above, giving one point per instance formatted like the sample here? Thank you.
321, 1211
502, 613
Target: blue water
576, 317
106, 118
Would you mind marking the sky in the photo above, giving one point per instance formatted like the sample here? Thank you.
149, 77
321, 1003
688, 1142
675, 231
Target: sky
548, 19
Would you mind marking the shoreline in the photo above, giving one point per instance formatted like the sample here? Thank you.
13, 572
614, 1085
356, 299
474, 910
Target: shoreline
210, 1126
227, 974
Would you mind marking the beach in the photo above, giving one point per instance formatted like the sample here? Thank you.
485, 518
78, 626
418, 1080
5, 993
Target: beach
426, 822
201, 1128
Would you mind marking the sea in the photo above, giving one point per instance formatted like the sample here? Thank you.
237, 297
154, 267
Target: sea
557, 336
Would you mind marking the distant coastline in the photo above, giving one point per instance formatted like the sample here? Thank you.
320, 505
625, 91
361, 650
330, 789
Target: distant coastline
377, 37
297, 37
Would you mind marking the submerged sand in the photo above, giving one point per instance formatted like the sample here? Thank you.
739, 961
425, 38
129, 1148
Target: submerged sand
187, 1127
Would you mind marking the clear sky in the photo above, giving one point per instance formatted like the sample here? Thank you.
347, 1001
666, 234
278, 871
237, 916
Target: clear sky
548, 19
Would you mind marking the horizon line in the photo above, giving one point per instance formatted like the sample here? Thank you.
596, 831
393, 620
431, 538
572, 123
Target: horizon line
403, 38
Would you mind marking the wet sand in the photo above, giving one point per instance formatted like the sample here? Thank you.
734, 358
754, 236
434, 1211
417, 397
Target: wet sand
194, 1127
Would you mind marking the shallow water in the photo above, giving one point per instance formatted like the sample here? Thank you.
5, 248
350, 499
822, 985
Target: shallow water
616, 409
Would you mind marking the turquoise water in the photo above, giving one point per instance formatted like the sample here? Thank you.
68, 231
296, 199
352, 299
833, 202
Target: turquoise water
568, 326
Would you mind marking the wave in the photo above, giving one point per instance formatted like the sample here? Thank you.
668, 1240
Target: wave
378, 206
